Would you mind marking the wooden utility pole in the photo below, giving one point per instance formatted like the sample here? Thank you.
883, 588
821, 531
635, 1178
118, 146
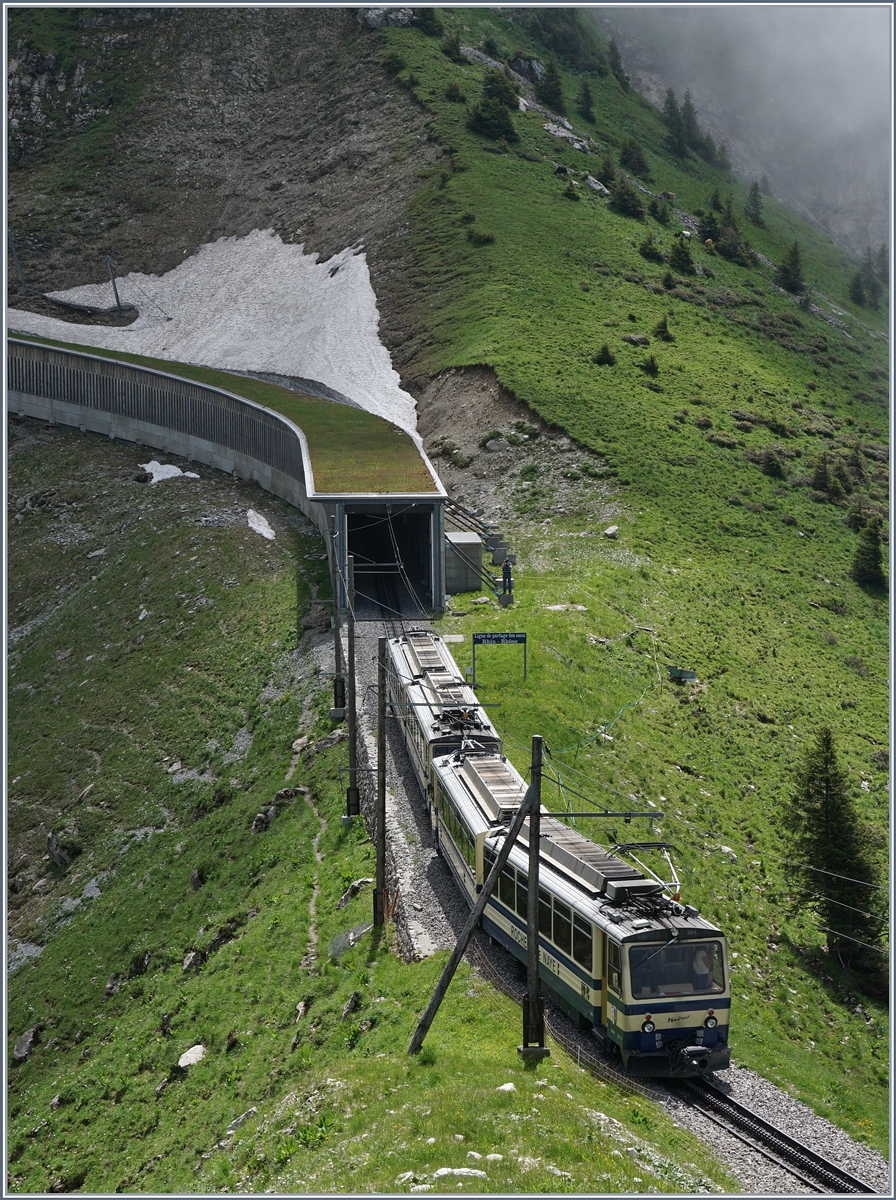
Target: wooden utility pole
473, 920
533, 1005
379, 890
337, 712
352, 795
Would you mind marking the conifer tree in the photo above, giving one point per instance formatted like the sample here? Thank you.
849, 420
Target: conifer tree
857, 289
616, 66
867, 564
723, 160
549, 88
690, 128
870, 282
882, 265
632, 156
831, 856
753, 207
715, 200
606, 171
680, 257
491, 116
585, 101
672, 114
790, 272
625, 199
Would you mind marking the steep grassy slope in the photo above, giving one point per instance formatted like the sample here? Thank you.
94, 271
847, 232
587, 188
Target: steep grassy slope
149, 732
740, 574
729, 553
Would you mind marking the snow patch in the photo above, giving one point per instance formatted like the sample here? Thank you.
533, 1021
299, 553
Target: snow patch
253, 304
260, 525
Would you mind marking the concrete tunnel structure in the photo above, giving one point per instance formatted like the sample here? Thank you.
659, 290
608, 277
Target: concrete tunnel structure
396, 535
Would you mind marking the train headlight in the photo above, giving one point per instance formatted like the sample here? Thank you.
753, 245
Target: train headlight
648, 1027
711, 1022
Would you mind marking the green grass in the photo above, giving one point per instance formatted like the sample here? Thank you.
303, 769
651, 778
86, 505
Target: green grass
351, 450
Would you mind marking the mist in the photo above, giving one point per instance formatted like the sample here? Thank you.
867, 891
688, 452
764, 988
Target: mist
801, 94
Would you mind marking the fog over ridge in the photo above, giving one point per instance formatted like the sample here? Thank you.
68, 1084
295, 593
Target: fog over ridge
800, 93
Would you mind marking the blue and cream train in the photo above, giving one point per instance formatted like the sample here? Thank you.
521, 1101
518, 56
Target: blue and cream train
646, 973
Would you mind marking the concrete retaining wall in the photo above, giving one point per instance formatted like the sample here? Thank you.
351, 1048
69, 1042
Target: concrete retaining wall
167, 413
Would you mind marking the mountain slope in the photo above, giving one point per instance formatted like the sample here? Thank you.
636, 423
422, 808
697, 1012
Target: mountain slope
735, 546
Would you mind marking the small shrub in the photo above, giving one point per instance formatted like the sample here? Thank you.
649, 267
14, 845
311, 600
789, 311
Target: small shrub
466, 218
450, 46
605, 357
650, 366
489, 437
770, 464
571, 191
856, 663
454, 92
661, 330
650, 250
393, 63
480, 237
428, 22
668, 281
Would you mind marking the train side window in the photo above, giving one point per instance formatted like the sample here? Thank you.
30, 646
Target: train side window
544, 913
613, 980
582, 941
522, 895
562, 926
507, 888
718, 968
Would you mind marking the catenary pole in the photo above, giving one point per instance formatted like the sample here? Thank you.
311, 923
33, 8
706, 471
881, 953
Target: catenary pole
472, 921
533, 1005
379, 891
352, 796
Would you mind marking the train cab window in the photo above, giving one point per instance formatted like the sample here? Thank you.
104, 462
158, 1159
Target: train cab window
522, 895
582, 941
562, 927
613, 972
507, 888
544, 913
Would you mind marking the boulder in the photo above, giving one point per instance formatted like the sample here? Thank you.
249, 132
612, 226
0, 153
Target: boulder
352, 891
376, 18
197, 879
352, 1004
56, 852
192, 1056
113, 985
241, 1119
597, 186
636, 339
261, 822
27, 1042
612, 531
193, 961
530, 68
497, 444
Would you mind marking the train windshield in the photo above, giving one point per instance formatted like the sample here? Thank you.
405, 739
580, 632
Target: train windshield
679, 969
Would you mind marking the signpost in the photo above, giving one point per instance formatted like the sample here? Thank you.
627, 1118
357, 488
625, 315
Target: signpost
498, 639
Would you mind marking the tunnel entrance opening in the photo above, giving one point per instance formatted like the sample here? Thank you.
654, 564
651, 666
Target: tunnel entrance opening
392, 549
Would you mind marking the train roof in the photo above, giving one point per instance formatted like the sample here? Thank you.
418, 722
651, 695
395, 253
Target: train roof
441, 698
627, 898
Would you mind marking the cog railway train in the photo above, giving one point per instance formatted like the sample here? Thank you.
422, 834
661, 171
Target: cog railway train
644, 972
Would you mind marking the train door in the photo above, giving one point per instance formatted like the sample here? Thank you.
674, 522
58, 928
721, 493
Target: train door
611, 986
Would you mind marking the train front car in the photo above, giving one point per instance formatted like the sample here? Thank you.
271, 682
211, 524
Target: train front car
668, 993
437, 709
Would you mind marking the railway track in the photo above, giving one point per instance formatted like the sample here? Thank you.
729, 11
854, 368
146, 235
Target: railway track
811, 1169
